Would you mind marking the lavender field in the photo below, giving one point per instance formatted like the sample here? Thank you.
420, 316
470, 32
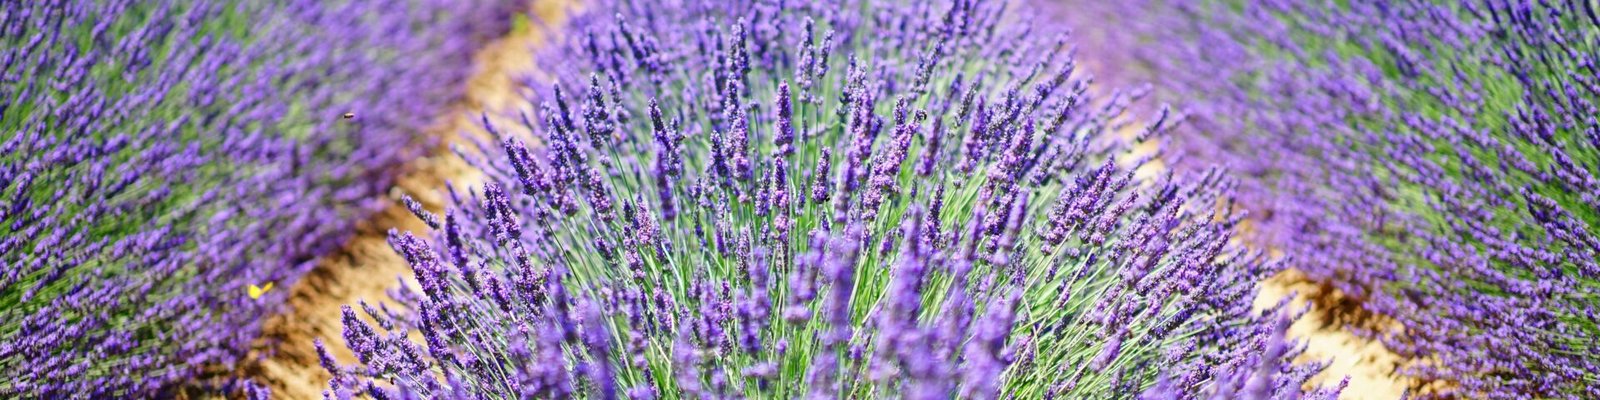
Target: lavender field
984, 199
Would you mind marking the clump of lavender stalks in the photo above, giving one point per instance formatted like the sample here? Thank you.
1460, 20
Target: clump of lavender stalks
1439, 162
158, 157
734, 199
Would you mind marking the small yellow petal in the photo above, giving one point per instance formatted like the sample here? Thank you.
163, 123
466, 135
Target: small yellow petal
257, 291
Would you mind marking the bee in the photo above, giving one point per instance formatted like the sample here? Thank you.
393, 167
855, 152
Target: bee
349, 115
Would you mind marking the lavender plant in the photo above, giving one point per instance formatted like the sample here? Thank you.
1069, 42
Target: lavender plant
1436, 161
840, 199
160, 156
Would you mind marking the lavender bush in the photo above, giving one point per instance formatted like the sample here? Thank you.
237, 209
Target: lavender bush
841, 199
160, 156
1436, 161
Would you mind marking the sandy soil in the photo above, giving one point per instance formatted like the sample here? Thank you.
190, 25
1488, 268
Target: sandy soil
283, 358
1367, 363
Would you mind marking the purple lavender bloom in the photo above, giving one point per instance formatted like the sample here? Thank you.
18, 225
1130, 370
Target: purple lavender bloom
784, 138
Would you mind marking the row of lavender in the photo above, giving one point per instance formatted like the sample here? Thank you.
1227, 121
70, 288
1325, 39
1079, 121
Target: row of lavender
840, 199
160, 156
1437, 161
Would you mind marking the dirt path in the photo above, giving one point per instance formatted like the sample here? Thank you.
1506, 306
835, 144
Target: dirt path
283, 358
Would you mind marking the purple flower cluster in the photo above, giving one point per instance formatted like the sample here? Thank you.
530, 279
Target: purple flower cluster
839, 199
157, 157
1438, 162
